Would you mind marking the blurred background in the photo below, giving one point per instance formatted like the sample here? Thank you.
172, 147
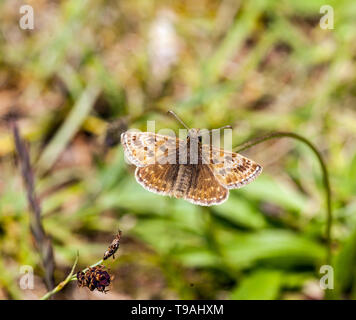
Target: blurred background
93, 68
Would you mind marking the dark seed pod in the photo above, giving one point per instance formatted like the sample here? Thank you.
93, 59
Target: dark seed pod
81, 279
114, 246
94, 278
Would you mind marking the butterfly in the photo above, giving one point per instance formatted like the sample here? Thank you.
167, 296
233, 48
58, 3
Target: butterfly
189, 169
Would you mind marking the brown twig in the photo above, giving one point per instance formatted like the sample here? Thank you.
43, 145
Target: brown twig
43, 242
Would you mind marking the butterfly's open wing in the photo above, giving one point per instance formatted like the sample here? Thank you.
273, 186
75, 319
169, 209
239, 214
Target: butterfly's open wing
194, 183
157, 178
204, 188
231, 169
145, 148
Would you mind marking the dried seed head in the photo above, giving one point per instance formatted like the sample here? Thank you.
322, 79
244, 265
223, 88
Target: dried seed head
81, 279
114, 246
94, 278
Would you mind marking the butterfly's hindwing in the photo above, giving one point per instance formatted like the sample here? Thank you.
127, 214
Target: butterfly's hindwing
157, 178
205, 190
195, 183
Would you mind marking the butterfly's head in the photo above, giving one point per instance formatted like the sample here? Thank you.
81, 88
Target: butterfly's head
194, 134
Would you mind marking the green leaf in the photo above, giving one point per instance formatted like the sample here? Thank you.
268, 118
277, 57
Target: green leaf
260, 285
273, 247
240, 212
344, 267
164, 235
198, 257
283, 194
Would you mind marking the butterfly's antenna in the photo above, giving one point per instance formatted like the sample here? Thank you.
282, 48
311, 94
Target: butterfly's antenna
224, 127
179, 119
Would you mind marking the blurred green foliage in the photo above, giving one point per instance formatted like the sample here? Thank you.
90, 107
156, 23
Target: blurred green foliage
258, 65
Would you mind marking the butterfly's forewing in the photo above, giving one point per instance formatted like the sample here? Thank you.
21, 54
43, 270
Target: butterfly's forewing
204, 188
145, 148
231, 169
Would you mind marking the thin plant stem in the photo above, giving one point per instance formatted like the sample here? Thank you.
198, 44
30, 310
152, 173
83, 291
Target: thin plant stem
70, 277
74, 277
60, 286
324, 169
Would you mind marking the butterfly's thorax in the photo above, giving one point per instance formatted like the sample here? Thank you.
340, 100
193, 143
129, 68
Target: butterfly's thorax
194, 151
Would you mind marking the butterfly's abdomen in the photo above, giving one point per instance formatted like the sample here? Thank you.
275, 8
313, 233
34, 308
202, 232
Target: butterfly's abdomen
183, 180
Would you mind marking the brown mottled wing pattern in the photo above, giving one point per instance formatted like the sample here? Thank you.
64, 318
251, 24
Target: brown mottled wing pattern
157, 178
194, 183
204, 183
231, 169
145, 148
204, 189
